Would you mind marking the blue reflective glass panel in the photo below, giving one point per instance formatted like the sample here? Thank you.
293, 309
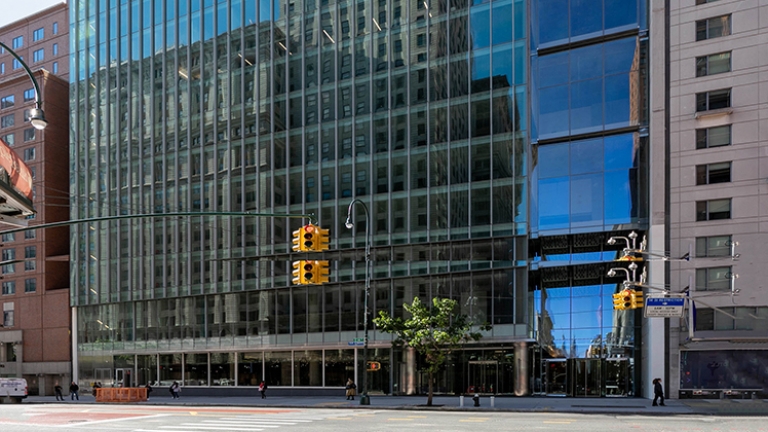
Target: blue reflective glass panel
620, 196
620, 151
587, 156
620, 55
553, 110
586, 17
553, 160
553, 20
586, 62
503, 71
618, 101
586, 106
553, 69
587, 200
553, 203
501, 23
620, 13
480, 29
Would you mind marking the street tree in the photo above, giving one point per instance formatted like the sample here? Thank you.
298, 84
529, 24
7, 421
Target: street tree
434, 331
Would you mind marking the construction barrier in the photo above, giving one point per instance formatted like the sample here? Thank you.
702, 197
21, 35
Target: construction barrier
121, 394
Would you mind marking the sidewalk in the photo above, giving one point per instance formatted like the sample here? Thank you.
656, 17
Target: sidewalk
633, 406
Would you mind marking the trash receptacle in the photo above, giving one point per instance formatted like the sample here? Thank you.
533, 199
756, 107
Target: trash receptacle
476, 398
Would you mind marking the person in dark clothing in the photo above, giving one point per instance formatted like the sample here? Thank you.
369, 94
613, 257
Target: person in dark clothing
73, 391
350, 389
149, 389
658, 392
263, 389
57, 389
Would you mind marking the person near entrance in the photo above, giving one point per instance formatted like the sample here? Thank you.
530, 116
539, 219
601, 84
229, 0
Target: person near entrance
350, 389
658, 392
57, 389
73, 391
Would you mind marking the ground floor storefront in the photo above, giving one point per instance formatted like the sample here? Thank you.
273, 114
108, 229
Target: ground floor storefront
514, 368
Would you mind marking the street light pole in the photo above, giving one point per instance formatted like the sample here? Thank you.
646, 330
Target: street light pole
364, 398
36, 115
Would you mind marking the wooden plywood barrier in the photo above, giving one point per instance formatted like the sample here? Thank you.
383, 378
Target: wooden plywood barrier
122, 394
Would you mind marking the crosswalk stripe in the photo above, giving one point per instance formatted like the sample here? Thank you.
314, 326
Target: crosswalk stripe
251, 422
272, 419
225, 428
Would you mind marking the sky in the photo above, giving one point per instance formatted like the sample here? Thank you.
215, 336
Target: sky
14, 10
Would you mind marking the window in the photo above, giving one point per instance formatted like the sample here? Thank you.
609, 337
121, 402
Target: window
18, 42
8, 314
2, 68
38, 55
29, 154
30, 252
30, 265
16, 63
6, 121
9, 139
713, 279
30, 234
6, 102
713, 100
29, 95
713, 173
715, 246
55, 49
55, 67
30, 285
713, 210
55, 28
29, 134
9, 287
38, 34
9, 254
9, 237
713, 137
713, 27
713, 64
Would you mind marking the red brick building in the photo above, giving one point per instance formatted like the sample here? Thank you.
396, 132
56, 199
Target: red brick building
35, 338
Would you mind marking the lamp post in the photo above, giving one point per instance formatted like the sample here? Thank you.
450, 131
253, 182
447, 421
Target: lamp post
36, 115
364, 399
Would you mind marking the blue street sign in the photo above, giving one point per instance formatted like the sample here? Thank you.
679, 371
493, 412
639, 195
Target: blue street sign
664, 307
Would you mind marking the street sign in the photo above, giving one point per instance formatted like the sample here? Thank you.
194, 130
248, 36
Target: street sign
356, 342
664, 307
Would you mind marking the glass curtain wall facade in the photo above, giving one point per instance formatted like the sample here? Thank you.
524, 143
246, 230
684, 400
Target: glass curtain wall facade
588, 136
417, 108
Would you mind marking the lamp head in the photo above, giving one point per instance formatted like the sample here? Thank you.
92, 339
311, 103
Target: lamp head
611, 273
37, 118
349, 223
612, 241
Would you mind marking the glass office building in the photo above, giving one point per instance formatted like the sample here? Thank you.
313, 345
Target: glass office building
418, 108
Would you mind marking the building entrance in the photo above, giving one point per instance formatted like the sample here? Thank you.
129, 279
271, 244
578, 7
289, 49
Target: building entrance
483, 376
586, 378
618, 377
555, 377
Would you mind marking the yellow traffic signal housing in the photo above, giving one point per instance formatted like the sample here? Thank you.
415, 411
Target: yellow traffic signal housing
323, 271
298, 237
618, 302
374, 366
308, 273
631, 256
626, 299
298, 267
637, 299
309, 238
323, 239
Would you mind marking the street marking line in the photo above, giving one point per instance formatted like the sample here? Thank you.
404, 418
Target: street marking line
225, 428
473, 420
558, 421
400, 419
417, 416
80, 424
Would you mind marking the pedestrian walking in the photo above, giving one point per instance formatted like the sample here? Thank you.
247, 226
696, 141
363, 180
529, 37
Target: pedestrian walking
175, 389
57, 389
263, 390
350, 389
74, 391
658, 392
149, 389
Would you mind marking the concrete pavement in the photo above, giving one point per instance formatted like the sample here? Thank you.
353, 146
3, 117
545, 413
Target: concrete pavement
632, 406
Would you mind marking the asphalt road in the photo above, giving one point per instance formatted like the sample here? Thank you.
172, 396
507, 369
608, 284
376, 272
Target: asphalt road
133, 418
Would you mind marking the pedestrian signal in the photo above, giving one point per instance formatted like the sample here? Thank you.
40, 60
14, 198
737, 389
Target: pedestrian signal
373, 366
637, 299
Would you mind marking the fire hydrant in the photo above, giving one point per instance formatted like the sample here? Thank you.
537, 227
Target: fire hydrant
476, 398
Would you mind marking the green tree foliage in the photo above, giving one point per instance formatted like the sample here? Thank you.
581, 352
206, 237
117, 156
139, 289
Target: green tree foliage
434, 331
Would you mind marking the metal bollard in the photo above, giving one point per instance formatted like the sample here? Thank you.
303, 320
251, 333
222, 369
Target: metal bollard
461, 401
476, 398
493, 401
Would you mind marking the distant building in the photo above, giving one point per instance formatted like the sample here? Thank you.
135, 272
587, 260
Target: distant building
35, 338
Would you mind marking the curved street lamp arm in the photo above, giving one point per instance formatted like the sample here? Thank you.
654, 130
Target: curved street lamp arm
38, 98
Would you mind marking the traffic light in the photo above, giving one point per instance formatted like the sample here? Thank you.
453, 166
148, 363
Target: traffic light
309, 238
618, 301
323, 271
309, 273
373, 366
626, 299
298, 277
298, 237
637, 299
322, 239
